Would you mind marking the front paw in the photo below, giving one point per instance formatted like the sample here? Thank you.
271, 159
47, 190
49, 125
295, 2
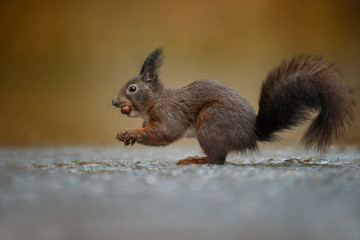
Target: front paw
129, 137
121, 135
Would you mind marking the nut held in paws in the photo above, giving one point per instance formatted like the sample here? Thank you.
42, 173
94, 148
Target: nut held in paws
125, 109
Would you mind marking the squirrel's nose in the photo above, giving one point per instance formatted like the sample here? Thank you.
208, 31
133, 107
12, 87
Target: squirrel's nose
114, 103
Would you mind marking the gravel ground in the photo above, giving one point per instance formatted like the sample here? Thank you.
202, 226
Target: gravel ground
139, 193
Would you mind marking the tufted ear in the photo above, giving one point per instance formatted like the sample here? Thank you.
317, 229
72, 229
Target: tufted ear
149, 75
151, 65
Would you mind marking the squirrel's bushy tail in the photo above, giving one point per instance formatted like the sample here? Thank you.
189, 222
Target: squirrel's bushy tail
295, 88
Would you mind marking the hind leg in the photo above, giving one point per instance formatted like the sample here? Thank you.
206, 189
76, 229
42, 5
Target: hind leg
214, 145
211, 135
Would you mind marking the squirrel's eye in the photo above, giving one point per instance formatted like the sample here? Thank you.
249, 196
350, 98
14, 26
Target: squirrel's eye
132, 88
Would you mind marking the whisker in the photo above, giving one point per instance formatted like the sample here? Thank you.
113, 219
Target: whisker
113, 114
107, 109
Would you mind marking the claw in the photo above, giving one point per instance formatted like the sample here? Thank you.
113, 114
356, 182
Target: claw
121, 135
127, 141
129, 137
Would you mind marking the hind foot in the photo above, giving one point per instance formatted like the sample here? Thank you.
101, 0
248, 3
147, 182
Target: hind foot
193, 160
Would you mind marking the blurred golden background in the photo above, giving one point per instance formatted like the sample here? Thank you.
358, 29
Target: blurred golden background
61, 62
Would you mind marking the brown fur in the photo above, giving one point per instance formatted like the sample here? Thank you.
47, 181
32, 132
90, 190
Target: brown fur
223, 121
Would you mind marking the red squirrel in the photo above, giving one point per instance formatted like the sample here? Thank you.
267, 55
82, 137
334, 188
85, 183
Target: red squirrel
223, 121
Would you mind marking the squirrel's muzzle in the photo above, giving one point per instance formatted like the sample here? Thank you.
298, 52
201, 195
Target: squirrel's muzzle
115, 103
125, 109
